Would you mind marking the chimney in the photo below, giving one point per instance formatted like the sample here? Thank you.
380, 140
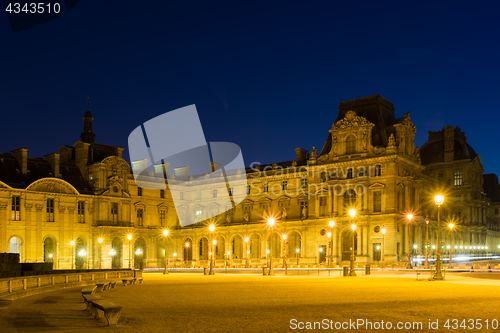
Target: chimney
118, 151
21, 155
301, 155
449, 143
215, 166
140, 166
161, 170
53, 160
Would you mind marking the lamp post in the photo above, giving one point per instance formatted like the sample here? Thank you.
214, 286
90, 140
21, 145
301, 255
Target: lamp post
82, 254
227, 260
100, 240
284, 254
212, 245
165, 234
451, 225
427, 244
186, 254
112, 254
271, 222
267, 259
352, 212
175, 260
50, 258
383, 244
409, 217
138, 253
129, 237
330, 243
329, 234
438, 275
298, 254
72, 243
246, 249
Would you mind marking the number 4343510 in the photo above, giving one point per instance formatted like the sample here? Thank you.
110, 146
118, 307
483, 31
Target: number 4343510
471, 324
33, 8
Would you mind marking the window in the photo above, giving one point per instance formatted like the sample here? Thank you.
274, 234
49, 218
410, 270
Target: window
139, 191
81, 211
378, 170
16, 208
265, 208
198, 215
459, 215
214, 193
114, 212
162, 217
266, 186
457, 198
322, 177
496, 210
214, 212
377, 201
199, 195
458, 178
248, 189
182, 195
303, 208
350, 145
350, 172
230, 191
140, 217
50, 210
285, 185
162, 194
304, 183
322, 206
349, 199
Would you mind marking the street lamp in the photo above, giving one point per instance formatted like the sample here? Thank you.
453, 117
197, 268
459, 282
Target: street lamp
246, 248
427, 242
438, 275
297, 251
383, 244
129, 237
329, 234
409, 217
72, 243
271, 221
451, 225
175, 260
82, 254
227, 260
186, 253
212, 228
352, 212
284, 254
100, 240
165, 234
330, 243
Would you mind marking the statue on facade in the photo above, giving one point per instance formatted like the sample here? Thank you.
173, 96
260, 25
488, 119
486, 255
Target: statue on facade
229, 216
314, 152
365, 138
284, 212
246, 216
392, 141
304, 212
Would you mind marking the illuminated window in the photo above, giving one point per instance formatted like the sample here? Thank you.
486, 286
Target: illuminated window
198, 215
458, 178
16, 208
350, 145
81, 211
114, 212
50, 210
304, 183
162, 217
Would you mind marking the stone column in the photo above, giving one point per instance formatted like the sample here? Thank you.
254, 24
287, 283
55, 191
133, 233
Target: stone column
3, 227
38, 239
29, 242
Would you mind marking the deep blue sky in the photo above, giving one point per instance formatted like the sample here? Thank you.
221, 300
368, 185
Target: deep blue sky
268, 76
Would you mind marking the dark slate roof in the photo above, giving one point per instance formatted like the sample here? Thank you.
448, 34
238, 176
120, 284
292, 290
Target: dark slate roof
491, 186
38, 168
433, 150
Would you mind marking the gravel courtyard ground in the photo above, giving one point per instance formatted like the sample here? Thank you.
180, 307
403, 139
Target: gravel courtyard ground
182, 302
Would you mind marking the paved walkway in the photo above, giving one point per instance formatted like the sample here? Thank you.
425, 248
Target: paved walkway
235, 303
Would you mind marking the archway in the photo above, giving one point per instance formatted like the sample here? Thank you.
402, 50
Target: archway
49, 249
220, 247
140, 253
203, 248
237, 247
116, 253
255, 250
347, 244
187, 250
294, 244
81, 255
16, 246
274, 245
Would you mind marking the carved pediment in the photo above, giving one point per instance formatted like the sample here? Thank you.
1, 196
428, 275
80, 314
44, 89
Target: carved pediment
350, 120
52, 185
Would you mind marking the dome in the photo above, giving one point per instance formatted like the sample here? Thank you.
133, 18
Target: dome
433, 151
88, 114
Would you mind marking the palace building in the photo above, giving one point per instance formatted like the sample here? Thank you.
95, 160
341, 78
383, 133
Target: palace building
75, 208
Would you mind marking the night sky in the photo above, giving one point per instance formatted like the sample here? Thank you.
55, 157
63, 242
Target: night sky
266, 75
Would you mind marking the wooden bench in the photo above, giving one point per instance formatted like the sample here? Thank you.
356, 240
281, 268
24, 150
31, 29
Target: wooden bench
89, 290
88, 298
111, 310
102, 285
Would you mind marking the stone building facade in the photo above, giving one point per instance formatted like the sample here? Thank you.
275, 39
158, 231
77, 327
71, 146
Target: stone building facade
369, 163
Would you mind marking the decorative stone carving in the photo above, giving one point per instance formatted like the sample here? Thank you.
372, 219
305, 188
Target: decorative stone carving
314, 152
207, 176
229, 216
304, 212
3, 205
52, 186
239, 172
284, 213
350, 120
71, 209
246, 216
39, 207
294, 163
28, 207
392, 141
62, 209
275, 166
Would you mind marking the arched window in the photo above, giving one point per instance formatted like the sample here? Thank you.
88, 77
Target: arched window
349, 199
16, 246
350, 145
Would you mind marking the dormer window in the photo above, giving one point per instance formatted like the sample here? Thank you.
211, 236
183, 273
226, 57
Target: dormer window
458, 178
350, 145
